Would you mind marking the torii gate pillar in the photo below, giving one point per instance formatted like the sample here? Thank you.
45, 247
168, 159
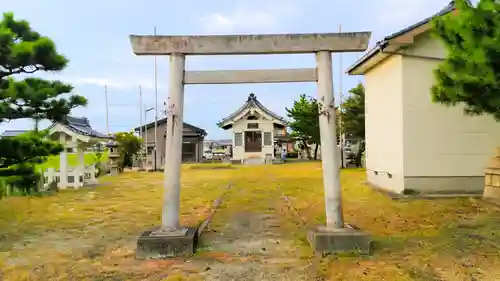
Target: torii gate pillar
171, 239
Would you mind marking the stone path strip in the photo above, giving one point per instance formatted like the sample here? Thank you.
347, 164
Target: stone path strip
214, 208
254, 238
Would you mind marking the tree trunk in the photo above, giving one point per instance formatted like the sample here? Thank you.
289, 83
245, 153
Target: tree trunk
37, 121
316, 152
307, 149
359, 154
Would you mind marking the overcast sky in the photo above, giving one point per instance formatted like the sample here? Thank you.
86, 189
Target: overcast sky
94, 36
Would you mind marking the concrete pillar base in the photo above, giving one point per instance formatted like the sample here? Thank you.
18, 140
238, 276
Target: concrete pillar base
347, 240
156, 246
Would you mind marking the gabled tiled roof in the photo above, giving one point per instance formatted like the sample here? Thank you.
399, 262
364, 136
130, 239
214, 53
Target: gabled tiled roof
252, 102
81, 125
380, 45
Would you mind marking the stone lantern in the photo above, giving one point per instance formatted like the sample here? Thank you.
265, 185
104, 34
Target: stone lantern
113, 156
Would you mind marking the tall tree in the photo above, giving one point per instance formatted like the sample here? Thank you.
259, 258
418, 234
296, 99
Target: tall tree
470, 73
353, 112
129, 146
24, 51
305, 122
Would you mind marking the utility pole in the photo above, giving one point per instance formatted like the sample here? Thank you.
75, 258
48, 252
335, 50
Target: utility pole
140, 112
107, 113
146, 110
341, 127
156, 110
146, 130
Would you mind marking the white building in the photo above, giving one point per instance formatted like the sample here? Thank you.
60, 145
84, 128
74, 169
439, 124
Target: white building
77, 135
412, 143
255, 130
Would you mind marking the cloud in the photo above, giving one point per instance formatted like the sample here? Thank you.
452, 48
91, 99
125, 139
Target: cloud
117, 83
259, 16
96, 81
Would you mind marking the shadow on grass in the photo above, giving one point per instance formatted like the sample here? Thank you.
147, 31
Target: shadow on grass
476, 236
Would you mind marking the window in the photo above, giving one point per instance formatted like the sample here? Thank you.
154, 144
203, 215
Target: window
238, 139
268, 141
252, 125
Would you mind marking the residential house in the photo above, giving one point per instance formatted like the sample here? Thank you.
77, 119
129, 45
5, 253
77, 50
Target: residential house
192, 142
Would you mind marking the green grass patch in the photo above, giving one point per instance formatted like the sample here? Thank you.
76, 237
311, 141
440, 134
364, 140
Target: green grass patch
54, 161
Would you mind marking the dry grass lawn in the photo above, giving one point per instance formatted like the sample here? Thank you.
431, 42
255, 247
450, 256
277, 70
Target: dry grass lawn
90, 234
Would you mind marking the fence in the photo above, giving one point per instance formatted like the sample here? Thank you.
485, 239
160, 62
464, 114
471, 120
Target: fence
75, 177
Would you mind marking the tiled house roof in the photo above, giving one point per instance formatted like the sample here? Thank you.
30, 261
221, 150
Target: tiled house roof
81, 125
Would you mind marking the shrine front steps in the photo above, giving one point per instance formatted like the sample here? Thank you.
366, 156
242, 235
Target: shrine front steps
254, 161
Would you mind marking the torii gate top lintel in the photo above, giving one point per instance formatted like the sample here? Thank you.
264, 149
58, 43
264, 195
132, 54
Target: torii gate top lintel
250, 44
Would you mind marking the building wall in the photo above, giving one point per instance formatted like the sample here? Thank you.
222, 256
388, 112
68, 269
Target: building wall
240, 126
384, 124
444, 150
150, 136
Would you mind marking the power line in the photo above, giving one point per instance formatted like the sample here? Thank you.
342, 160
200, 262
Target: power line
122, 104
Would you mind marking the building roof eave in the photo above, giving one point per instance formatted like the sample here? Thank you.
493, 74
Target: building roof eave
150, 125
251, 102
376, 54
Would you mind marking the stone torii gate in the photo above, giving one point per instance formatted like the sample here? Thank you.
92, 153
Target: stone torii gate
171, 239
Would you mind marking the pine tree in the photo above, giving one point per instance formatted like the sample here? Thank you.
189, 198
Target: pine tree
470, 74
24, 51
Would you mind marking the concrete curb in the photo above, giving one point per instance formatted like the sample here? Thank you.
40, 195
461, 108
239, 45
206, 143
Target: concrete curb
294, 210
203, 225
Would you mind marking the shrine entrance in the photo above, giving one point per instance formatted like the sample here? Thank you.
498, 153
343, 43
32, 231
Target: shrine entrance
253, 141
177, 47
